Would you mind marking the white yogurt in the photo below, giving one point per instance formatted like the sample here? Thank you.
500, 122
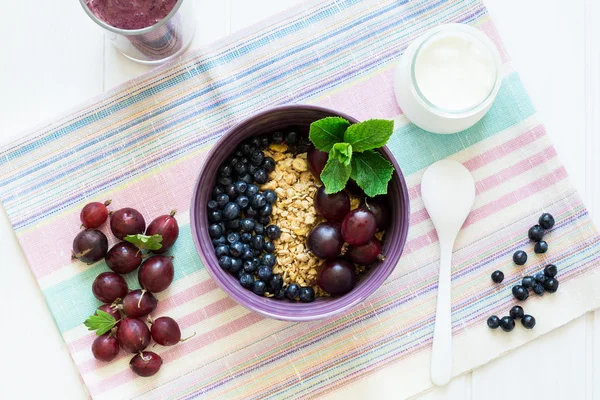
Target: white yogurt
447, 79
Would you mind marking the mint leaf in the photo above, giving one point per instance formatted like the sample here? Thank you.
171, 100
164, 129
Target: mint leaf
369, 135
371, 172
335, 175
342, 152
326, 132
101, 322
144, 242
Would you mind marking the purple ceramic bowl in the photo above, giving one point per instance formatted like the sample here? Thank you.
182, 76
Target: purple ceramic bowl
268, 121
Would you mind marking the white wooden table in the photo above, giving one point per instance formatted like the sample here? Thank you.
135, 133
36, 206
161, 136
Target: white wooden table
54, 57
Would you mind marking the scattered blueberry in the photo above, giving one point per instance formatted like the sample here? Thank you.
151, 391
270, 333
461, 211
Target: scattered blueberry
258, 201
259, 288
257, 242
307, 294
266, 211
261, 176
268, 260
212, 205
222, 250
215, 216
493, 322
236, 249
520, 292
292, 291
236, 265
240, 187
257, 157
271, 196
497, 276
540, 247
536, 233
507, 324
251, 190
268, 164
243, 202
246, 237
225, 262
528, 282
275, 283
540, 277
246, 280
230, 191
516, 312
528, 321
215, 231
550, 271
273, 232
520, 257
551, 285
247, 255
538, 289
269, 247
546, 221
265, 273
231, 211
247, 225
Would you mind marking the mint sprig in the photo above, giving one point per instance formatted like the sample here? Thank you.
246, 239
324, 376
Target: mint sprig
351, 153
101, 322
144, 242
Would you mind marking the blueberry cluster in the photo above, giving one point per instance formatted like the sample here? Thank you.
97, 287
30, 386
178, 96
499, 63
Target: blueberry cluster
240, 214
508, 323
541, 282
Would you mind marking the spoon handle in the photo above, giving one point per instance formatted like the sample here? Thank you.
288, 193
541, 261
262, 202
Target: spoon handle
441, 357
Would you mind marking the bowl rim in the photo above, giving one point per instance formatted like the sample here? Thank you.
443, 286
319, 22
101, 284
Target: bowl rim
259, 304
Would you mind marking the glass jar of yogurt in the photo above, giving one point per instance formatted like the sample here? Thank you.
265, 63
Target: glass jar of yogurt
448, 78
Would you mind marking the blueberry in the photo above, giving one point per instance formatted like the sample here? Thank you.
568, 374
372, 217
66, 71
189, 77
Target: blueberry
291, 137
261, 176
497, 276
550, 271
258, 201
241, 169
257, 157
245, 160
233, 237
269, 247
230, 191
240, 187
493, 322
251, 212
246, 178
519, 292
307, 294
271, 196
215, 216
259, 229
516, 312
246, 237
538, 289
251, 190
265, 273
303, 145
249, 267
268, 260
217, 190
540, 277
247, 225
247, 255
265, 141
536, 233
212, 205
238, 153
246, 148
246, 280
540, 247
219, 241
222, 200
292, 291
265, 211
233, 225
528, 282
528, 321
231, 211
252, 169
243, 202
258, 241
275, 283
232, 161
215, 230
520, 257
277, 137
259, 288
255, 141
225, 262
257, 253
280, 294
264, 220
236, 265
225, 180
546, 221
273, 232
222, 250
236, 249
551, 285
225, 170
268, 164
507, 324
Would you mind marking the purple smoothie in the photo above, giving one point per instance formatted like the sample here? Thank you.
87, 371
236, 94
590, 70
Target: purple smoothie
131, 14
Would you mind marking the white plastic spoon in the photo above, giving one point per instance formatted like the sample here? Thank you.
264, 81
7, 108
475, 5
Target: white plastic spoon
448, 192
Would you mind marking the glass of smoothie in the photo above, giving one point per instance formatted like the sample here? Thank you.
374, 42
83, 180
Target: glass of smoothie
147, 31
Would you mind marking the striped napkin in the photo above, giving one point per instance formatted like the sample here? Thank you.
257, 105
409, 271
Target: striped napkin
143, 143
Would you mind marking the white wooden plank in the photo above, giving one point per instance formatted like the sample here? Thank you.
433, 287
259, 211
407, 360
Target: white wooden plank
547, 368
458, 388
211, 23
245, 13
51, 61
